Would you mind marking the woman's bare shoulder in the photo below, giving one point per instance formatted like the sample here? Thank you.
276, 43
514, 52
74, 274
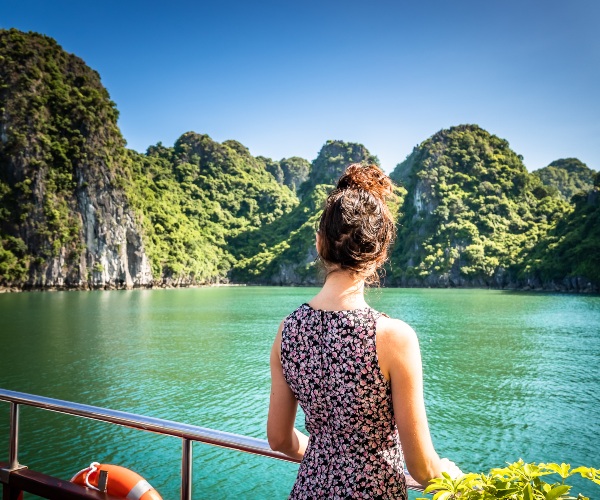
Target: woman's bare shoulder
395, 332
397, 347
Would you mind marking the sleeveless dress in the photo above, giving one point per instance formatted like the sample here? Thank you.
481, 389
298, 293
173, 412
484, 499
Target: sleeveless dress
329, 360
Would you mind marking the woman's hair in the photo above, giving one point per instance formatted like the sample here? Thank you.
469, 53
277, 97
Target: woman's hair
356, 227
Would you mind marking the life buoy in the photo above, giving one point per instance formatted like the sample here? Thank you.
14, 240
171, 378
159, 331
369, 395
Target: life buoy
122, 482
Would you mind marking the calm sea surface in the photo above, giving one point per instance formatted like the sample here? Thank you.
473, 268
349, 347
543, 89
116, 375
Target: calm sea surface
507, 376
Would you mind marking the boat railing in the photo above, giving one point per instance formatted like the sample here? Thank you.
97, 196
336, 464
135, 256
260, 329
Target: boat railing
186, 432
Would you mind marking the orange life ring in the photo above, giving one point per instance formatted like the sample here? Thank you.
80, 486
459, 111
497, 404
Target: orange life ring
122, 482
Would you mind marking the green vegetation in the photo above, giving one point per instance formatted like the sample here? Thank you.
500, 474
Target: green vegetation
77, 207
568, 176
331, 162
571, 249
195, 197
518, 481
470, 213
291, 172
57, 121
283, 252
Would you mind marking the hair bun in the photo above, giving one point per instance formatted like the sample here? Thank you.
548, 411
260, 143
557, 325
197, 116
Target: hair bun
368, 178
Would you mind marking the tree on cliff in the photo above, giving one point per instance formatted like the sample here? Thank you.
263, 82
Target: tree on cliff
195, 197
291, 172
77, 209
571, 250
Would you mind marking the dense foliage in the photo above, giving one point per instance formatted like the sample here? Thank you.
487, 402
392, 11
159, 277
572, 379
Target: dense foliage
291, 172
61, 153
517, 481
74, 200
471, 213
195, 197
286, 252
568, 176
331, 162
571, 249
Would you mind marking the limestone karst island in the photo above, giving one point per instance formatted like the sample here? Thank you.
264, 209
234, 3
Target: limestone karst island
78, 210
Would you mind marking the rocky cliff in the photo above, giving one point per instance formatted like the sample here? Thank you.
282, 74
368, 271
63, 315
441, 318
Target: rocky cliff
79, 210
568, 176
471, 214
64, 218
568, 257
198, 198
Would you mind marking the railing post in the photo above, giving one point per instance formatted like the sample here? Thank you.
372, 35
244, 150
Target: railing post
9, 492
186, 470
13, 447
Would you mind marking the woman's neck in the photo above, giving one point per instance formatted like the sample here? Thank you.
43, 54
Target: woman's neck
341, 291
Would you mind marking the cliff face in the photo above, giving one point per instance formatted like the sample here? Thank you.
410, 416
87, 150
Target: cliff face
471, 214
64, 218
114, 251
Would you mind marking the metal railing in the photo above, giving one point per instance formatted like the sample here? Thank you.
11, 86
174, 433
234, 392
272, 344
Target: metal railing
187, 433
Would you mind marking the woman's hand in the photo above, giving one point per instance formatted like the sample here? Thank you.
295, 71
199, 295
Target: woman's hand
451, 468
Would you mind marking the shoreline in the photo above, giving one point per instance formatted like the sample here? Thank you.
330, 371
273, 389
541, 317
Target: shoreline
110, 288
550, 288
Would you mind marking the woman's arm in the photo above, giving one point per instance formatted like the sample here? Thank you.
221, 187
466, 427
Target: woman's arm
283, 405
400, 362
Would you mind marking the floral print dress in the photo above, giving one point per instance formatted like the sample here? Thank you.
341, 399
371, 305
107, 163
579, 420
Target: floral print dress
329, 360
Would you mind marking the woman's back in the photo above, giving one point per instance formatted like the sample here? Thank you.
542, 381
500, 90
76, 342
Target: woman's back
329, 361
358, 407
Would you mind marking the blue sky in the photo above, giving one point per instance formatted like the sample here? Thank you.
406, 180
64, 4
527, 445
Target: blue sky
282, 77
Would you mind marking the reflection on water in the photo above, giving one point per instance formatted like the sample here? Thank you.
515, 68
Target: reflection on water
507, 376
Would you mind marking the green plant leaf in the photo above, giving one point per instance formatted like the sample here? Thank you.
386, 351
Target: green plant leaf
588, 473
438, 484
517, 481
557, 491
503, 493
563, 469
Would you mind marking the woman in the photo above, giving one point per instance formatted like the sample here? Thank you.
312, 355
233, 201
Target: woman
355, 372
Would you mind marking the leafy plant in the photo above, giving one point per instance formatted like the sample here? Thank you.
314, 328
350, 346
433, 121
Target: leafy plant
518, 481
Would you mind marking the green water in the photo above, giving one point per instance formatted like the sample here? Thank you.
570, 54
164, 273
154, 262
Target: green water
507, 376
